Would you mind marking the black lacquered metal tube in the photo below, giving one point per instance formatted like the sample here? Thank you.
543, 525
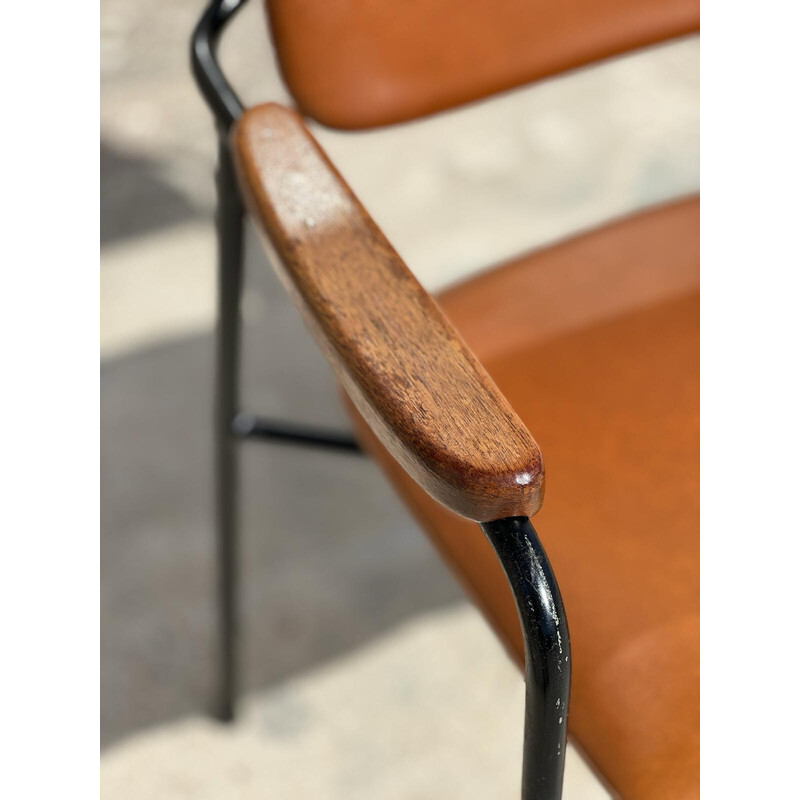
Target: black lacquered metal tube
547, 654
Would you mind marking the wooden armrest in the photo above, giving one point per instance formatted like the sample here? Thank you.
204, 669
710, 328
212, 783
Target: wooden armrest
406, 369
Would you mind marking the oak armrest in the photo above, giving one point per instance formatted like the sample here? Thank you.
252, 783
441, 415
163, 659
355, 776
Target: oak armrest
408, 372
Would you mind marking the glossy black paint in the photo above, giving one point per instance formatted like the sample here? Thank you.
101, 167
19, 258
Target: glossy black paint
547, 654
216, 90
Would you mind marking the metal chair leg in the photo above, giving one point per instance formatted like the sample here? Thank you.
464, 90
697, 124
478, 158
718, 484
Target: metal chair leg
230, 231
230, 424
547, 662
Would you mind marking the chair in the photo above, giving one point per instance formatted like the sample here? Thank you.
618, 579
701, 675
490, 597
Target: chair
592, 344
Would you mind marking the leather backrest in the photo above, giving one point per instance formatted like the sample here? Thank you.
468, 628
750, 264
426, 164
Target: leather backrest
365, 63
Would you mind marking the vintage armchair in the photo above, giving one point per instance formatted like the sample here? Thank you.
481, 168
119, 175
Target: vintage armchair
592, 343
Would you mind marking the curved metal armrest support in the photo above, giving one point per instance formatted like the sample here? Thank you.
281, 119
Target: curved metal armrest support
547, 654
216, 90
409, 373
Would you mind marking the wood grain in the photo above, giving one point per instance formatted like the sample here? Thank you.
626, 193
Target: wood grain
406, 369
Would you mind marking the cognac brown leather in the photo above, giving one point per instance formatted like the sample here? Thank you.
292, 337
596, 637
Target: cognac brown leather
362, 63
596, 344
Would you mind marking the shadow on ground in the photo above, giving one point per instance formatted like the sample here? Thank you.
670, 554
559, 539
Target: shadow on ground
330, 558
135, 199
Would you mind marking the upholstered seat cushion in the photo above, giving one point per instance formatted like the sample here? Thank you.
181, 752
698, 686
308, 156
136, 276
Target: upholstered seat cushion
596, 344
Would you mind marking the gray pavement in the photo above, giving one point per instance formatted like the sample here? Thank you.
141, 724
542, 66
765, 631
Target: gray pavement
330, 557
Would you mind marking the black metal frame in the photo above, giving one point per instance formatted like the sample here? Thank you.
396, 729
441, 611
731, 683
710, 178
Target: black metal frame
547, 654
231, 424
542, 618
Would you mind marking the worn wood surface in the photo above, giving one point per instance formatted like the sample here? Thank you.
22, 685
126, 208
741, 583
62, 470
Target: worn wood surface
406, 369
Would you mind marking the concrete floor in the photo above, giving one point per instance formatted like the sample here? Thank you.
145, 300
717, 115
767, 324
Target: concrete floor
431, 710
355, 635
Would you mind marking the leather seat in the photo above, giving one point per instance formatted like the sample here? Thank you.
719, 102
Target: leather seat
595, 342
